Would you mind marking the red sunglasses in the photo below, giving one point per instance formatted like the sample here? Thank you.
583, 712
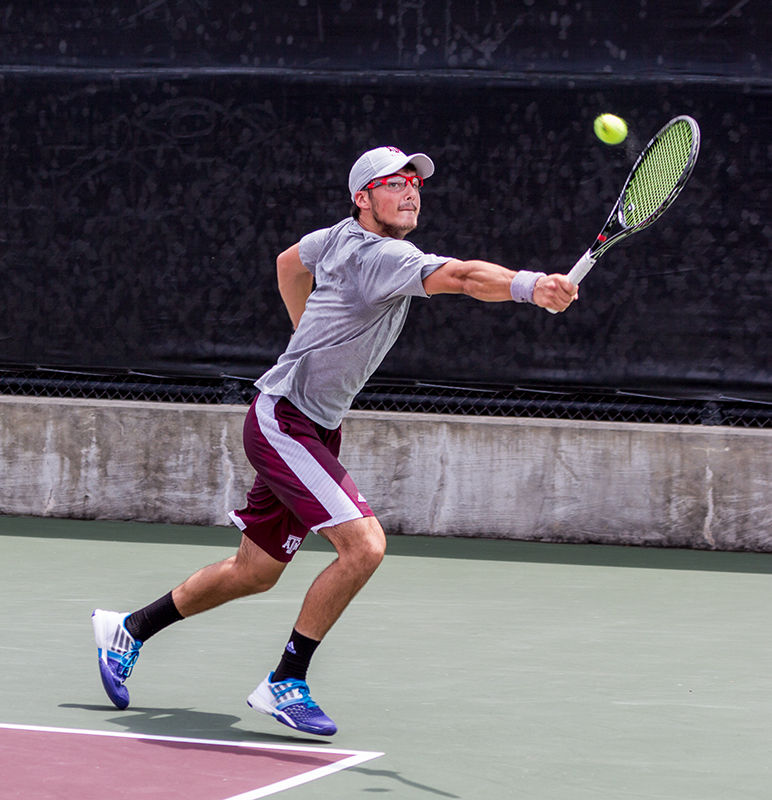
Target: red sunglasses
396, 183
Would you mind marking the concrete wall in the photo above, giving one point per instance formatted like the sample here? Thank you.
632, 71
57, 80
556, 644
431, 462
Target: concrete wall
547, 480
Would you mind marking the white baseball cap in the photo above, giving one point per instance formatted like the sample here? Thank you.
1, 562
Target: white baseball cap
383, 161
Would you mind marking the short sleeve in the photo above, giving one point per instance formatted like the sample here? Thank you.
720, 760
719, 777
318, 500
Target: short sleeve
396, 268
310, 248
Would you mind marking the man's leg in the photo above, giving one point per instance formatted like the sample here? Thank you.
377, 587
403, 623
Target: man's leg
361, 545
284, 694
250, 571
120, 636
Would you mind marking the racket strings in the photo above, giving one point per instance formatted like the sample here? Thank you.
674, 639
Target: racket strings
658, 174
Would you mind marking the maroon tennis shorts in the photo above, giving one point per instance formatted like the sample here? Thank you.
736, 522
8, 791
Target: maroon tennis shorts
300, 483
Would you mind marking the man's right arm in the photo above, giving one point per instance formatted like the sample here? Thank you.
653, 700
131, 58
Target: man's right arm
493, 283
295, 282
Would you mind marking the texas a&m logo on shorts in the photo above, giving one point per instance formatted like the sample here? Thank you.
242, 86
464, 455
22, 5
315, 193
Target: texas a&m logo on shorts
292, 544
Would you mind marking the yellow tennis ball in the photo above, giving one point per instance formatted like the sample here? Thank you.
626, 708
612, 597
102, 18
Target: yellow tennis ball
610, 129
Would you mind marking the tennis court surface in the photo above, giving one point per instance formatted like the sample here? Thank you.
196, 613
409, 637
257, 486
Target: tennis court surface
465, 669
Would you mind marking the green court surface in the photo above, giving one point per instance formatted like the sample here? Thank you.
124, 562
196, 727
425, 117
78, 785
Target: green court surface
480, 669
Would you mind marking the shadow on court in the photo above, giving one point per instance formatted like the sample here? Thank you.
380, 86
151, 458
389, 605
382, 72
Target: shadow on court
397, 778
188, 722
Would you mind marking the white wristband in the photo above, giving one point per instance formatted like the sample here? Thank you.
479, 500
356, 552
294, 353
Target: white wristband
523, 284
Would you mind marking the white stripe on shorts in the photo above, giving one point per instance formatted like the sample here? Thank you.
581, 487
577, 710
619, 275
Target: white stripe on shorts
310, 473
237, 520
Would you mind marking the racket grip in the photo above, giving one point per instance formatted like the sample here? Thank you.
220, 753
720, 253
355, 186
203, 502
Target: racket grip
578, 271
581, 268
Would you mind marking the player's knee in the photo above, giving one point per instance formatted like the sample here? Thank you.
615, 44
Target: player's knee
260, 583
250, 579
361, 543
372, 546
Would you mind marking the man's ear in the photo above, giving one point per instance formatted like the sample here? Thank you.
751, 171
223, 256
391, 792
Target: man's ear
362, 199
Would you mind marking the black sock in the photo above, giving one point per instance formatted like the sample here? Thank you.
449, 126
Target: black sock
149, 620
296, 657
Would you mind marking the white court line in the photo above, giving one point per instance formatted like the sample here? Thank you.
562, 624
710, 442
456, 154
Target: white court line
307, 777
354, 756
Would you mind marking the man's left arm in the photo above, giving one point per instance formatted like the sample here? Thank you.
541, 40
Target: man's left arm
494, 283
295, 283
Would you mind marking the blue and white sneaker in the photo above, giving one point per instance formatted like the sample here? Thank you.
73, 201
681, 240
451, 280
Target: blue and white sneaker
118, 651
290, 703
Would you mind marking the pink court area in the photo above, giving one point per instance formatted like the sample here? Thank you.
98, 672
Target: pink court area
53, 763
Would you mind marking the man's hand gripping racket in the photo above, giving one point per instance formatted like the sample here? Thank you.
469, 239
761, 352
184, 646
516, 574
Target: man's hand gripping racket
654, 182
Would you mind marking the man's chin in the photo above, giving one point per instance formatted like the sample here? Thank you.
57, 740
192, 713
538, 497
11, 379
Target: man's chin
401, 231
409, 222
404, 224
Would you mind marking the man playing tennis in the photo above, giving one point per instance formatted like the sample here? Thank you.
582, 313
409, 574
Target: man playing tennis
347, 290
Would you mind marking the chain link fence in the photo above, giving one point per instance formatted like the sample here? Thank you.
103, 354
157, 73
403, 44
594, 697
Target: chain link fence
539, 402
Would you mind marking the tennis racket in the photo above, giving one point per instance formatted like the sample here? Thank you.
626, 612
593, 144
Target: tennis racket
654, 182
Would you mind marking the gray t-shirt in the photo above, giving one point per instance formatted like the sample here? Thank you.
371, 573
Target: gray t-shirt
363, 286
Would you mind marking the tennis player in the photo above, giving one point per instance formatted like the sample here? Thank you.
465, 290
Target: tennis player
347, 290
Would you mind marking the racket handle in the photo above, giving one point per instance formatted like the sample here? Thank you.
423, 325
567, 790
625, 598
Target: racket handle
578, 271
581, 268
